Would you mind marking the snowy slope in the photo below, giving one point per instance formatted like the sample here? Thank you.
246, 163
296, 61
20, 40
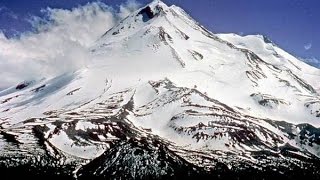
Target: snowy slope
160, 75
267, 50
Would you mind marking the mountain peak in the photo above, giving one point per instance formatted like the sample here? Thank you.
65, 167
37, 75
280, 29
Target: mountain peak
152, 9
157, 2
140, 18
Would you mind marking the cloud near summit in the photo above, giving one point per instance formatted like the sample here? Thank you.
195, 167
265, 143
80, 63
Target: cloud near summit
307, 46
58, 43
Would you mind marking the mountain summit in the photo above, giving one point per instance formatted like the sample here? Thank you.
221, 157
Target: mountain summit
163, 97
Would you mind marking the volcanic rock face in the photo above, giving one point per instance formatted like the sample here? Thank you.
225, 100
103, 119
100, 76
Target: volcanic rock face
165, 98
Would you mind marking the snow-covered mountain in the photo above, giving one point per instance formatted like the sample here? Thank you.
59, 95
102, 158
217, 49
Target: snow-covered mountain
165, 98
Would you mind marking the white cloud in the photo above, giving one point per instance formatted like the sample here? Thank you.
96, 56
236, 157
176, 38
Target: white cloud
308, 46
127, 8
59, 42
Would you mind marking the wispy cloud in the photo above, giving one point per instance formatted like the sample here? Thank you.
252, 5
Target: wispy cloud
312, 61
59, 43
4, 11
2, 8
308, 46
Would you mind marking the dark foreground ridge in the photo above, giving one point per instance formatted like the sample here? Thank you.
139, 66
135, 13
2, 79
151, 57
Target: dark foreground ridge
152, 159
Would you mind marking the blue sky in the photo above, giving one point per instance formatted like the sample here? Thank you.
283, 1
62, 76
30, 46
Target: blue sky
292, 24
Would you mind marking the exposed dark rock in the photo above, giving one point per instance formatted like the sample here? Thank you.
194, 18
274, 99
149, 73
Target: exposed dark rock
10, 137
40, 88
73, 91
22, 85
9, 99
146, 13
